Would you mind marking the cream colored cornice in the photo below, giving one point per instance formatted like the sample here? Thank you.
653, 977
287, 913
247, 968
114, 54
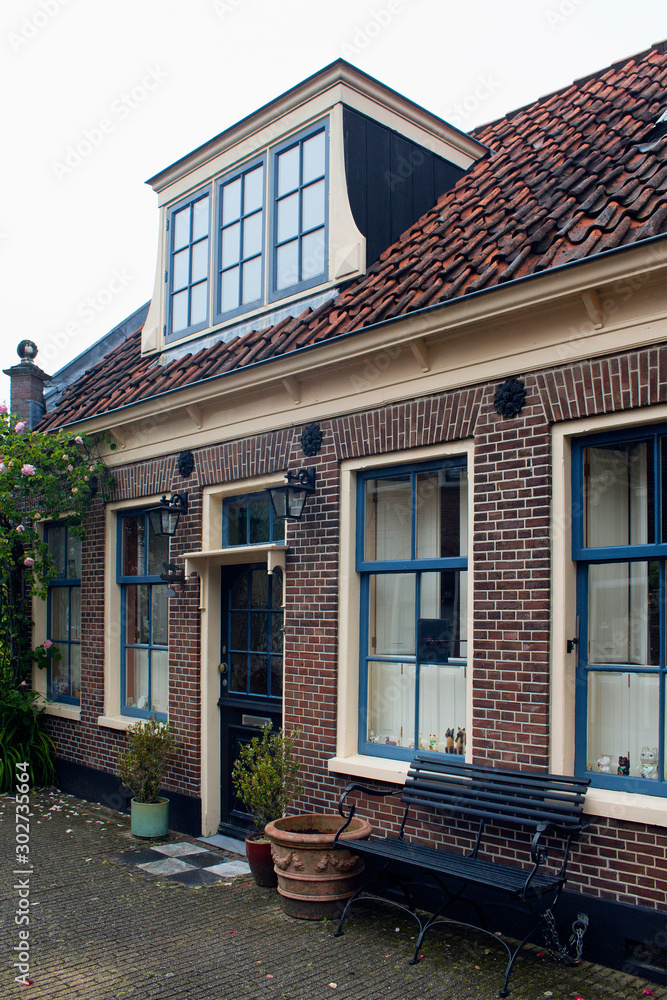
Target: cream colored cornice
435, 348
330, 78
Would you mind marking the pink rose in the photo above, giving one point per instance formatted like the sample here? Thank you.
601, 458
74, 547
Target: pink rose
70, 468
65, 458
3, 467
48, 644
28, 470
20, 529
28, 561
74, 489
3, 408
23, 684
20, 426
78, 440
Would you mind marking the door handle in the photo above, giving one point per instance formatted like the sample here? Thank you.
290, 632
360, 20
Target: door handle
223, 667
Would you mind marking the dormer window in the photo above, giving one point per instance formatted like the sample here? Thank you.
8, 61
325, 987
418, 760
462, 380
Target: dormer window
189, 225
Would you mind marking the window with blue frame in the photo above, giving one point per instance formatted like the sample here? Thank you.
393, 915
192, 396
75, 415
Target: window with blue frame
620, 547
64, 615
145, 617
249, 520
241, 241
411, 554
300, 212
189, 264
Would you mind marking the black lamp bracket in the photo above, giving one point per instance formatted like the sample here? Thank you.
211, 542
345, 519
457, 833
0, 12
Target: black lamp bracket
304, 478
173, 574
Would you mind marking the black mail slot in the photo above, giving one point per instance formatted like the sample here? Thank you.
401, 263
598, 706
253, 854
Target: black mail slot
255, 720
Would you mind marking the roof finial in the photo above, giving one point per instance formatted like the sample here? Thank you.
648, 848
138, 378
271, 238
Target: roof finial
27, 350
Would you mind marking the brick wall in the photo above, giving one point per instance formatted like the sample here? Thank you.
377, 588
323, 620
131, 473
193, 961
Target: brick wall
511, 555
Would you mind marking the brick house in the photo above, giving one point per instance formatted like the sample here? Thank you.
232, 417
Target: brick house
464, 337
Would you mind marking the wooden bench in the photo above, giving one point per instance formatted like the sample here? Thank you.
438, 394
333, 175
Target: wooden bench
548, 806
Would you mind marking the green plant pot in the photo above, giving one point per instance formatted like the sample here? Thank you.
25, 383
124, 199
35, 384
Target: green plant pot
150, 819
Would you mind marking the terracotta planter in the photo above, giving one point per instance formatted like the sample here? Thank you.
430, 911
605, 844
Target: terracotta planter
258, 853
150, 819
314, 880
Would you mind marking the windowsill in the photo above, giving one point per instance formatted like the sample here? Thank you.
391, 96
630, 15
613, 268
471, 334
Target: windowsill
121, 722
374, 768
627, 807
62, 710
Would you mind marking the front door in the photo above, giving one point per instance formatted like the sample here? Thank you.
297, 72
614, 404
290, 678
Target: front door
251, 672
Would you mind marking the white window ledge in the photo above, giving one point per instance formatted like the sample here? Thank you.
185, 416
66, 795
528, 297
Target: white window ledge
62, 710
374, 768
627, 807
122, 722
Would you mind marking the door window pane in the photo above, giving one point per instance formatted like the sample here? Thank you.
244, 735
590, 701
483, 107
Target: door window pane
260, 589
277, 676
238, 675
259, 674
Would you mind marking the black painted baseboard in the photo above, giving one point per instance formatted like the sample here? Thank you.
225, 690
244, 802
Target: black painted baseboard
100, 786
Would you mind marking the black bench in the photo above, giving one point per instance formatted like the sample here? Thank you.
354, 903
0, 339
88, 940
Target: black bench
549, 806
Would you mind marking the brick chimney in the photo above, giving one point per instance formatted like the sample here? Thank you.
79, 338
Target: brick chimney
27, 385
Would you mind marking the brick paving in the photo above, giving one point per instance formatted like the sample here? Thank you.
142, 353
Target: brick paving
101, 927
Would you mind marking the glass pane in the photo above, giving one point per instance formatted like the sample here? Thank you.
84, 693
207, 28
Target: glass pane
75, 614
253, 193
59, 672
238, 628
239, 593
159, 680
442, 708
199, 303
259, 519
158, 553
231, 245
391, 704
75, 670
237, 522
252, 280
392, 614
229, 290
260, 588
59, 612
288, 217
277, 588
623, 613
159, 615
278, 530
444, 595
200, 219
312, 206
181, 269
136, 678
259, 674
182, 228
231, 201
238, 672
288, 170
618, 494
441, 514
277, 676
134, 546
179, 311
259, 631
287, 265
312, 254
388, 518
136, 622
623, 711
313, 157
200, 260
56, 541
73, 556
252, 235
276, 640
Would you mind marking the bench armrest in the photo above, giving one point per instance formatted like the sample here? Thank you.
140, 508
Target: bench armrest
355, 787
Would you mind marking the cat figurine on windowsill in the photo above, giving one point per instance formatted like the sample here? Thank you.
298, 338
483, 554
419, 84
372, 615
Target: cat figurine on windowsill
649, 763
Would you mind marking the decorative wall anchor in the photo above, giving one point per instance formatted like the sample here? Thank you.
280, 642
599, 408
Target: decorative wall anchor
311, 439
510, 397
186, 463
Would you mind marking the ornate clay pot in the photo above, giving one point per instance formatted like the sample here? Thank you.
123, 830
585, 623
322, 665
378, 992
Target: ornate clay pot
314, 880
258, 853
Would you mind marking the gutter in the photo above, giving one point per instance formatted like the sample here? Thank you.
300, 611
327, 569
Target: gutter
424, 311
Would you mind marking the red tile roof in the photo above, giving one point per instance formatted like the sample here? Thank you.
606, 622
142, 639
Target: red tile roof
565, 180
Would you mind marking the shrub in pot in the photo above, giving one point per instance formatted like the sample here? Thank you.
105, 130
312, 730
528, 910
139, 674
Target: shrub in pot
265, 777
142, 768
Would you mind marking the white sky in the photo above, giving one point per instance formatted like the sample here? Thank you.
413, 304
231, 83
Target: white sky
78, 241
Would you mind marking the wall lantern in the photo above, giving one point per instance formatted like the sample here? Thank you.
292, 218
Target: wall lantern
289, 499
164, 517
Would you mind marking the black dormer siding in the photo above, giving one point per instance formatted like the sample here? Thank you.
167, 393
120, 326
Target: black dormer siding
391, 181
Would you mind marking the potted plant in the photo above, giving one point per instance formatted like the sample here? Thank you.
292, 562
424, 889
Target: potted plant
265, 777
142, 768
